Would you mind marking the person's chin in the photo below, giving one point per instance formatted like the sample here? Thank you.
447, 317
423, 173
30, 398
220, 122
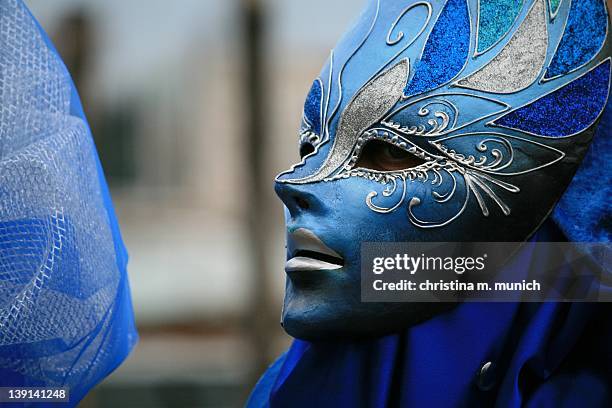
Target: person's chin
308, 316
317, 315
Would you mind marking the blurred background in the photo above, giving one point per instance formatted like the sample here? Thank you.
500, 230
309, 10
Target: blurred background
194, 106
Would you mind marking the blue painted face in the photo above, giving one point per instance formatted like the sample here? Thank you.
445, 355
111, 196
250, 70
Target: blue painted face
457, 120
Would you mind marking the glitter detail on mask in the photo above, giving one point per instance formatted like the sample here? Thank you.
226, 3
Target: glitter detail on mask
566, 111
495, 18
365, 109
582, 39
312, 107
446, 50
520, 62
554, 6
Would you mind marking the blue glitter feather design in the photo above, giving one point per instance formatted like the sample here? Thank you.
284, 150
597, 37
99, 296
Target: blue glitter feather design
554, 6
312, 107
446, 50
495, 20
584, 34
568, 110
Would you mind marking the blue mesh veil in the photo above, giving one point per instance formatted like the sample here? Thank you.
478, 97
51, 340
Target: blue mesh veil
65, 309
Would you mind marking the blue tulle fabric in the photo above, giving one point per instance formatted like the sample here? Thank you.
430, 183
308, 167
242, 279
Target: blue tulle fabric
66, 317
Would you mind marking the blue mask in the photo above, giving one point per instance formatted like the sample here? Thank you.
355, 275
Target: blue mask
435, 121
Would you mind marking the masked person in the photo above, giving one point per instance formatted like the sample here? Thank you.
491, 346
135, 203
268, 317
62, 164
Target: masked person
65, 310
445, 121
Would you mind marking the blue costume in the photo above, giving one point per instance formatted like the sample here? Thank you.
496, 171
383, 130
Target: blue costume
66, 316
540, 355
454, 120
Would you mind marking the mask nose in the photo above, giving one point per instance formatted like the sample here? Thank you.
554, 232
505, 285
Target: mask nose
295, 197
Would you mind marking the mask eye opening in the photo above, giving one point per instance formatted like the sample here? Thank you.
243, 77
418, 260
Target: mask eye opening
380, 155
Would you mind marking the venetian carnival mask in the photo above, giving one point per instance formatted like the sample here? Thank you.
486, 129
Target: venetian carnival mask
457, 120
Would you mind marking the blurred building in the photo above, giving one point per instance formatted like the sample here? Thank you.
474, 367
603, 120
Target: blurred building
163, 86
